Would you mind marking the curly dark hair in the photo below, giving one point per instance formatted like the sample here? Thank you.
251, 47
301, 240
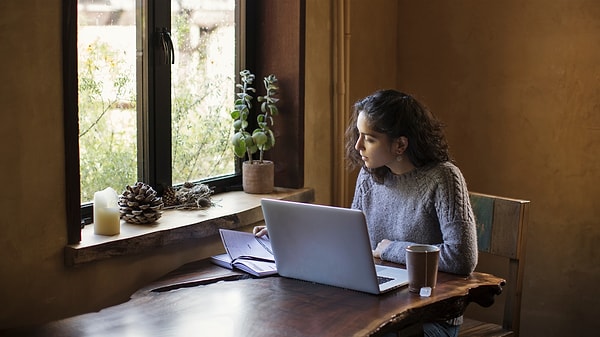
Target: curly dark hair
397, 114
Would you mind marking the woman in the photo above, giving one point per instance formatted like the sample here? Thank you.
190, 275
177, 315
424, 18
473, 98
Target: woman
408, 188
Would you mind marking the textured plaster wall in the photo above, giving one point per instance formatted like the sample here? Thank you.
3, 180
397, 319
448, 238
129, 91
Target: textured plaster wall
318, 102
518, 85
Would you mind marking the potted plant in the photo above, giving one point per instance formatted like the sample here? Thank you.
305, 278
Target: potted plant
257, 175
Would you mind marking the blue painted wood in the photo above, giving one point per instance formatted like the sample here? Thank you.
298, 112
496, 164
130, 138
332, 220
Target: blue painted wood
483, 207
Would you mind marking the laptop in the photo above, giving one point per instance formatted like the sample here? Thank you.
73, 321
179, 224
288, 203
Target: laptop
327, 245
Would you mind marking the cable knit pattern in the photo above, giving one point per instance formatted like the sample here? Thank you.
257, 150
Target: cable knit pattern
429, 205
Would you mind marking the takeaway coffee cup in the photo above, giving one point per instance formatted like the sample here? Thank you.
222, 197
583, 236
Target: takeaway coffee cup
422, 266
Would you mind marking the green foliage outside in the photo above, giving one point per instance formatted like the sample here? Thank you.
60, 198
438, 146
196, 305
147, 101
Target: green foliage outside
201, 101
107, 114
107, 121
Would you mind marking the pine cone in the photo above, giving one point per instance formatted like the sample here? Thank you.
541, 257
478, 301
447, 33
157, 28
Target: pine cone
139, 204
194, 196
169, 197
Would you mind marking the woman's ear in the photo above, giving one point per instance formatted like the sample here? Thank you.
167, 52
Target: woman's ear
401, 145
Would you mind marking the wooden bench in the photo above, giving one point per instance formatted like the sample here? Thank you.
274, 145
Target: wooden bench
501, 231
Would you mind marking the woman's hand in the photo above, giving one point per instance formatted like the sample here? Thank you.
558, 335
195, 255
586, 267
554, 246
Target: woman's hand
260, 231
381, 246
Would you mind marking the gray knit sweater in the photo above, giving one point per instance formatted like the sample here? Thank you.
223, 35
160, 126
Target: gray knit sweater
427, 205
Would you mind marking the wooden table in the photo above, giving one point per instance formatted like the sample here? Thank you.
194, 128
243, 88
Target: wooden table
200, 299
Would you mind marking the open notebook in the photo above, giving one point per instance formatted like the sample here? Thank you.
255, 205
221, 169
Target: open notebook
328, 245
246, 252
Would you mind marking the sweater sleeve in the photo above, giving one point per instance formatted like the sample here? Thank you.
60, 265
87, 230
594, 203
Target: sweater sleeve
458, 246
458, 251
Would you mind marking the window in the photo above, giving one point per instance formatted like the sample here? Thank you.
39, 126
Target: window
174, 119
168, 108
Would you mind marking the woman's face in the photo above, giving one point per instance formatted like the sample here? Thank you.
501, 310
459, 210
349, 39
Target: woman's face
376, 149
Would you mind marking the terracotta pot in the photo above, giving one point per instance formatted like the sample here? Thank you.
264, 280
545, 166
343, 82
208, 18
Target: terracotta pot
258, 178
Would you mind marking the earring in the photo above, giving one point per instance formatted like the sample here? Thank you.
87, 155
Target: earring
399, 157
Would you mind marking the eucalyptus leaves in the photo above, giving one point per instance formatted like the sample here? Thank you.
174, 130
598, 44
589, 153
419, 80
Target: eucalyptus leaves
262, 138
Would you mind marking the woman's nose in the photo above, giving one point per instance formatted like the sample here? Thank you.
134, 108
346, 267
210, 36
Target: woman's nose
358, 144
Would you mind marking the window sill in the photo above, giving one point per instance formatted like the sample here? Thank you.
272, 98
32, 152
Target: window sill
232, 210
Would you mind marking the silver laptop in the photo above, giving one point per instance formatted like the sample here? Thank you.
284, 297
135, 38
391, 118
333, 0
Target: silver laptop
327, 245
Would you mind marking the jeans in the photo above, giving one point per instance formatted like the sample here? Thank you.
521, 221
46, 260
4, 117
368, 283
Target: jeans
440, 329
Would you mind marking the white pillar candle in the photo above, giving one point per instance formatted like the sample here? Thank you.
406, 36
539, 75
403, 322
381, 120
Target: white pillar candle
106, 212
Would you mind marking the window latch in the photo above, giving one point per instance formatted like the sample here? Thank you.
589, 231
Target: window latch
166, 46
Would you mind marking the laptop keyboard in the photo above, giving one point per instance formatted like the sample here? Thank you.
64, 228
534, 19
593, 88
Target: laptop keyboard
383, 279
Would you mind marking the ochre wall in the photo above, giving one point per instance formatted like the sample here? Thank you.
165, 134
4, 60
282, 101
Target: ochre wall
318, 102
518, 85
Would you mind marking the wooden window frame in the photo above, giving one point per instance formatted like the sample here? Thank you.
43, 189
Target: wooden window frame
276, 45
